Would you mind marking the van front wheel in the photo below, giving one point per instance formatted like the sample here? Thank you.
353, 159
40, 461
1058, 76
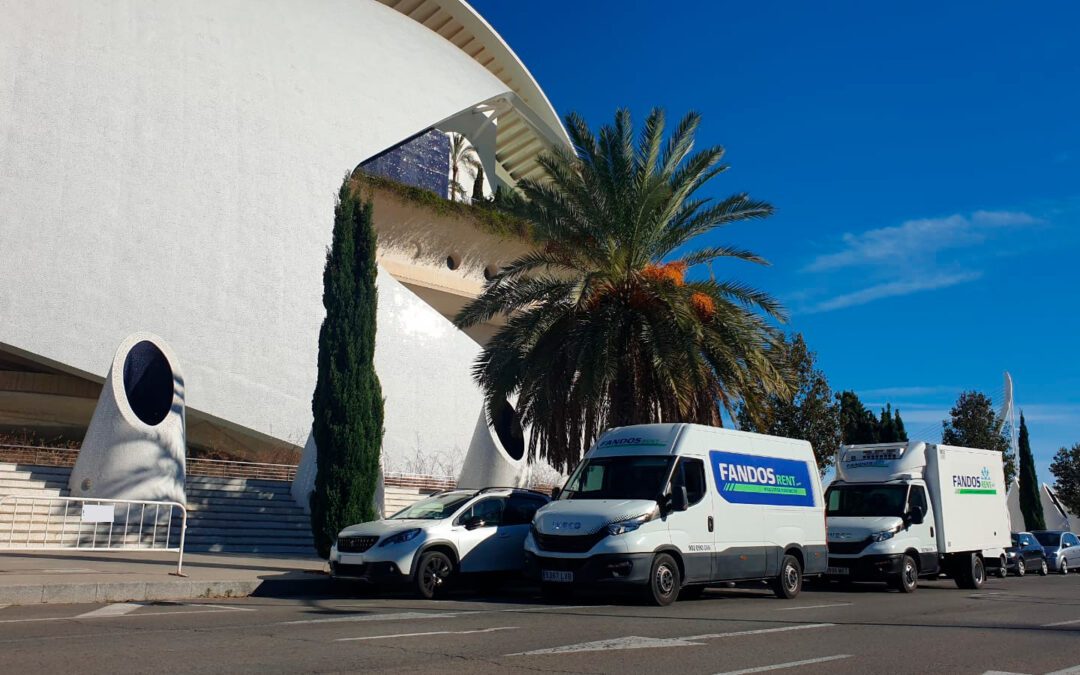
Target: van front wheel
664, 581
908, 579
789, 583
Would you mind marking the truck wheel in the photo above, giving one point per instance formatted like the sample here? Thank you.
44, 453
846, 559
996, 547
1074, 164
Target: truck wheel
908, 579
970, 572
433, 571
1044, 569
789, 583
664, 581
1003, 569
1021, 567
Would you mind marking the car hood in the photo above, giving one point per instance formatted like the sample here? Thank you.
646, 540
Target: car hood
856, 529
585, 516
381, 527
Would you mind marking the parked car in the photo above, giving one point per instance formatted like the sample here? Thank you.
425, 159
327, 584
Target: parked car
438, 538
1062, 549
1026, 555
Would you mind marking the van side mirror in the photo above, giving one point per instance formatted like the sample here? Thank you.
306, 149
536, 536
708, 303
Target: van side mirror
555, 492
916, 515
679, 501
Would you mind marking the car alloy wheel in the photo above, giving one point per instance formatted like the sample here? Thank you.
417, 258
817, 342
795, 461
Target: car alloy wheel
1003, 568
1021, 568
435, 569
1064, 567
1044, 569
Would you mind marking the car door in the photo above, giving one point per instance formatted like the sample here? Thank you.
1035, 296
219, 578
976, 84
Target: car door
476, 533
1071, 545
1032, 552
511, 533
692, 530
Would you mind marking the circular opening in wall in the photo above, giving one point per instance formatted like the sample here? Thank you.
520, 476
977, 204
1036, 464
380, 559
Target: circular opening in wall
508, 430
453, 261
490, 271
148, 382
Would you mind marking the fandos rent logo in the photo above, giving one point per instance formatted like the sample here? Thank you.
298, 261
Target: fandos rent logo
970, 484
751, 479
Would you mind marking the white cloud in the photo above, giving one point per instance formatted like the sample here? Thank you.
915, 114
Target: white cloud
891, 289
919, 237
901, 392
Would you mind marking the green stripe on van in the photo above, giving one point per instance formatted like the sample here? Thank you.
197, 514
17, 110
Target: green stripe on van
976, 491
765, 489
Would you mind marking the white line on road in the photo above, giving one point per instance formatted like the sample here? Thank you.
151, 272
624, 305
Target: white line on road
117, 609
837, 604
1066, 671
1061, 623
115, 614
638, 642
434, 632
400, 616
789, 664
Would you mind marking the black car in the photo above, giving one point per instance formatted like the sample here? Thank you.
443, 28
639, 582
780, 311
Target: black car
1026, 555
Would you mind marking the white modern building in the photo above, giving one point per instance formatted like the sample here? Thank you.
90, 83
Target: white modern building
171, 167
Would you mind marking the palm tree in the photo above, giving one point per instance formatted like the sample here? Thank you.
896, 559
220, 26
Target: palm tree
462, 154
603, 326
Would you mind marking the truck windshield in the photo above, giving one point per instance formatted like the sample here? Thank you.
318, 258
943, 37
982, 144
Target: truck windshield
635, 477
861, 501
434, 508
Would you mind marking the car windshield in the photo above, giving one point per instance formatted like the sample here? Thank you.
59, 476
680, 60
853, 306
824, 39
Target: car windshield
860, 501
1048, 538
631, 477
1016, 540
434, 508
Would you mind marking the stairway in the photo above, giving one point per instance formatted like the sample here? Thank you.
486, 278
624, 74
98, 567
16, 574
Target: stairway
225, 515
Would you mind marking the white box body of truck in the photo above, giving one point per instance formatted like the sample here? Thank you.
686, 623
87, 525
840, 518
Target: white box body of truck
903, 511
672, 508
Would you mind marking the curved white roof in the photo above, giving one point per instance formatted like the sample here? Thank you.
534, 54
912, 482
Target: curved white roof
520, 139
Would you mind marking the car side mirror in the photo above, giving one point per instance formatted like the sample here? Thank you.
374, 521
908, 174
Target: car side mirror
679, 501
555, 492
473, 523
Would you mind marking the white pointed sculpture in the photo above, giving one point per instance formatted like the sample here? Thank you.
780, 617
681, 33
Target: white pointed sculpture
496, 457
135, 446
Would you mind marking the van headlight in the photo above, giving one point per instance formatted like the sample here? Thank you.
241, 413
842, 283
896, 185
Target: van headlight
400, 537
629, 525
882, 536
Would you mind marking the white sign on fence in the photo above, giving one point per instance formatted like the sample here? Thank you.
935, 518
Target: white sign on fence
98, 513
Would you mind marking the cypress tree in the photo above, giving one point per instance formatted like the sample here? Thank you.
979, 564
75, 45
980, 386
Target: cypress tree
1030, 505
886, 428
347, 405
901, 432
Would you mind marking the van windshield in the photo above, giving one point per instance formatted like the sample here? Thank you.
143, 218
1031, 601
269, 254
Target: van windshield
866, 501
636, 477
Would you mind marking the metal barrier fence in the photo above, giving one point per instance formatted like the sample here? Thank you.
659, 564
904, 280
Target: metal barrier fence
85, 524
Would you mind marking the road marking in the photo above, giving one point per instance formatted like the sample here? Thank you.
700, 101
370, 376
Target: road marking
1066, 671
1061, 623
434, 632
117, 609
837, 604
638, 642
400, 616
789, 664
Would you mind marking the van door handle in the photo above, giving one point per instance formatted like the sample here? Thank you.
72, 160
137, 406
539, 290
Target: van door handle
710, 524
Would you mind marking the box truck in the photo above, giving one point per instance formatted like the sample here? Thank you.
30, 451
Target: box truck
898, 512
673, 508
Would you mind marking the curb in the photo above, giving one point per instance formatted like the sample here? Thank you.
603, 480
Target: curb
142, 591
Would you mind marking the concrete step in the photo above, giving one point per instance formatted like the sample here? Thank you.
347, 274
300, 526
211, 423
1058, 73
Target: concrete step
259, 483
252, 524
32, 492
300, 550
247, 494
28, 483
56, 471
242, 505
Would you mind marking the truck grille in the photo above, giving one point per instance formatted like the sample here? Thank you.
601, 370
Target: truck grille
848, 547
355, 544
559, 543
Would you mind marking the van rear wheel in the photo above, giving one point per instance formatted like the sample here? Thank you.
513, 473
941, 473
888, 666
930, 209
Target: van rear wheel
969, 572
789, 583
664, 581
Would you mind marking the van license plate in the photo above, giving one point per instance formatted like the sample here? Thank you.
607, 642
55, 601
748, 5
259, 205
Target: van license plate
557, 576
837, 571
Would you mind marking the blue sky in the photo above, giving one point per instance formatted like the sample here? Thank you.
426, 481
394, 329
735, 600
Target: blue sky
923, 158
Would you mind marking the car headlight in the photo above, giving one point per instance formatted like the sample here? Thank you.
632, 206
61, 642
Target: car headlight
400, 537
628, 525
1011, 554
882, 536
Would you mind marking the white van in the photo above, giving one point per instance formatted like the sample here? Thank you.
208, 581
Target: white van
676, 507
903, 511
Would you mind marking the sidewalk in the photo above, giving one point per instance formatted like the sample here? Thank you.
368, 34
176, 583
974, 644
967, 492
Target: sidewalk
28, 578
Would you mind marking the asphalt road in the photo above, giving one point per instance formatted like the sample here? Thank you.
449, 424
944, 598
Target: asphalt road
1028, 625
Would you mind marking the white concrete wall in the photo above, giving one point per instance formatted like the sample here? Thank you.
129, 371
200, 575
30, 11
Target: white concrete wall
171, 167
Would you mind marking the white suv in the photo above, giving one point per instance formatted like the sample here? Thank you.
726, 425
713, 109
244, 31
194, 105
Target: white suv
449, 533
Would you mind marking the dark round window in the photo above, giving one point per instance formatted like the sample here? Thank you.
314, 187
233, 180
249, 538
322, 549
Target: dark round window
490, 272
508, 429
453, 261
148, 382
